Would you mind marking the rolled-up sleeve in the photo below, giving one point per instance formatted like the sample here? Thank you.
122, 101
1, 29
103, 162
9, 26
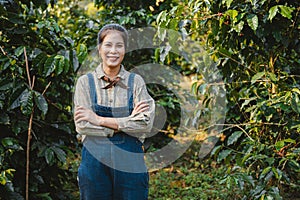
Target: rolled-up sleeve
139, 122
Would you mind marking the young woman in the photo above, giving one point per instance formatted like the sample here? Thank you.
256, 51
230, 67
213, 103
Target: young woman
113, 112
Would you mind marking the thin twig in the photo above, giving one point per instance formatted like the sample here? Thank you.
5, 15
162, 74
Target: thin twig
27, 68
28, 155
31, 85
2, 50
46, 88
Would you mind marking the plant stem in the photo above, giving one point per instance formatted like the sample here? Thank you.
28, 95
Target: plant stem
31, 85
28, 155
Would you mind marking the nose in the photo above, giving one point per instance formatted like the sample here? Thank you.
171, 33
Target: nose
113, 49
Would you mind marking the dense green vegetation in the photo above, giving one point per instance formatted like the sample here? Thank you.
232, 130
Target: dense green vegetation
256, 49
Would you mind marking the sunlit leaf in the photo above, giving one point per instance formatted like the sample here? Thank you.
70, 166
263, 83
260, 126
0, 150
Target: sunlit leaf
228, 2
60, 64
257, 76
232, 13
81, 52
279, 144
252, 20
272, 12
286, 11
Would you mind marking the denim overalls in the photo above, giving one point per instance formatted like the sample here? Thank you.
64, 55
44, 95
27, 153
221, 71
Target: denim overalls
113, 168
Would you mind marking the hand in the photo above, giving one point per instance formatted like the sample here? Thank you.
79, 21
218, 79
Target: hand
85, 114
142, 106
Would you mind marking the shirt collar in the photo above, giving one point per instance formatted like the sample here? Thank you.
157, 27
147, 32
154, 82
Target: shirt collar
100, 72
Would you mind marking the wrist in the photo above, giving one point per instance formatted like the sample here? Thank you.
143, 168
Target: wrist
100, 120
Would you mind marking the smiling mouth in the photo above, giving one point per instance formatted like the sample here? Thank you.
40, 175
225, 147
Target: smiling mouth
112, 57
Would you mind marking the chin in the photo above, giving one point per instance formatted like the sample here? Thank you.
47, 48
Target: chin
113, 65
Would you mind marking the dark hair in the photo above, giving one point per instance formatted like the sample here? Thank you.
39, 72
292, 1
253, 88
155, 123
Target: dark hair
109, 27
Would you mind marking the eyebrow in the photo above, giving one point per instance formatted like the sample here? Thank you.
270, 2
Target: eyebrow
111, 43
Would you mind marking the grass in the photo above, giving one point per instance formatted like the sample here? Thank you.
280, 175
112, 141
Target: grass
190, 179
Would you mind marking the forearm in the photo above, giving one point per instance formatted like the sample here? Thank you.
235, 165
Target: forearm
108, 122
139, 123
93, 130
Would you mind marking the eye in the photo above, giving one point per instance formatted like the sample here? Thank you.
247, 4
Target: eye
107, 45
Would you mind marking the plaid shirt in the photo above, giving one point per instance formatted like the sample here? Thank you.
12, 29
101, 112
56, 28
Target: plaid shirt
138, 124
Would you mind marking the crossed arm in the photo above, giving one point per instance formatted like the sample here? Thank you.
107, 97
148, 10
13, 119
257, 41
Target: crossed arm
85, 114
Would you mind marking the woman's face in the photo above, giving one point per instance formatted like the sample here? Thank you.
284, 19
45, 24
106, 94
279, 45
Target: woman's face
112, 50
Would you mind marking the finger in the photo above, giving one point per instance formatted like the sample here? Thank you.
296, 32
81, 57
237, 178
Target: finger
142, 109
141, 104
79, 116
78, 112
80, 108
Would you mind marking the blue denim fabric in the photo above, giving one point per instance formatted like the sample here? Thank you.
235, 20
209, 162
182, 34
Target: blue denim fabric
113, 168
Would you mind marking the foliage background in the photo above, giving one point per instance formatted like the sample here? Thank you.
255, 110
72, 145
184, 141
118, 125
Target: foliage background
255, 45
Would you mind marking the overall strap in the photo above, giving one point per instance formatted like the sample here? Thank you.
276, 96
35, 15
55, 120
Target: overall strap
93, 94
130, 91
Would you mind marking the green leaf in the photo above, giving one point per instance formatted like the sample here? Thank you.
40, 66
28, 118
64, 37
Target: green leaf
49, 66
11, 143
224, 154
296, 90
61, 155
247, 101
215, 150
8, 141
26, 102
257, 76
4, 119
279, 144
19, 51
290, 140
272, 12
6, 86
286, 11
82, 52
272, 77
44, 196
277, 173
49, 155
41, 103
162, 16
16, 98
228, 3
39, 61
265, 171
60, 61
295, 103
252, 21
234, 137
232, 13
239, 27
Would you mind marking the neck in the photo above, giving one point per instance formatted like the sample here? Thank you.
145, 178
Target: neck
111, 72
